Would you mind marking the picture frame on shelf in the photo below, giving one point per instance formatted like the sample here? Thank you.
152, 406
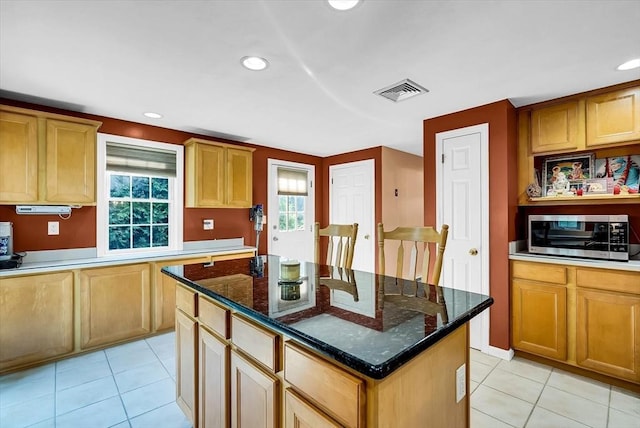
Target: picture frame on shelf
575, 168
595, 186
621, 170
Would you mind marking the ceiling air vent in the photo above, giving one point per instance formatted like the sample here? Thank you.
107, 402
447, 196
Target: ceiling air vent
401, 91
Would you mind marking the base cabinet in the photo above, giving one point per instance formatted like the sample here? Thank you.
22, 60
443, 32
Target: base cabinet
255, 395
186, 365
213, 370
36, 318
609, 341
300, 413
115, 304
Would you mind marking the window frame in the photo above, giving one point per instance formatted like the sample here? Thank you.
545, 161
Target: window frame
176, 189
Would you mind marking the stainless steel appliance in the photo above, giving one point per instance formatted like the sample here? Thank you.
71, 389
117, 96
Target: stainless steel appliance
6, 240
592, 236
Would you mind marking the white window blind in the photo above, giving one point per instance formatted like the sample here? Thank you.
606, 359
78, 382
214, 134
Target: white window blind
140, 160
292, 182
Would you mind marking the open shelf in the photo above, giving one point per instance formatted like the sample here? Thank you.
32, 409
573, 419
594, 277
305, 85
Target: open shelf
585, 200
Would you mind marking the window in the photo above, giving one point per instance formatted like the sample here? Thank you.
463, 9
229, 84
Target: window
140, 202
292, 193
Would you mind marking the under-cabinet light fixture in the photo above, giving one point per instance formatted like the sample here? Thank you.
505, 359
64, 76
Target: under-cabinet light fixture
153, 115
343, 5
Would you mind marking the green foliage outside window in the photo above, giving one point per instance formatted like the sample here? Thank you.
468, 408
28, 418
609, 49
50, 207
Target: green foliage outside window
138, 212
291, 213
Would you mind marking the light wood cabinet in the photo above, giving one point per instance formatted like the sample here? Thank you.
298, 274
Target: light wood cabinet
300, 413
255, 395
19, 148
609, 338
36, 318
186, 365
613, 117
217, 175
52, 158
164, 293
584, 317
558, 127
213, 371
115, 304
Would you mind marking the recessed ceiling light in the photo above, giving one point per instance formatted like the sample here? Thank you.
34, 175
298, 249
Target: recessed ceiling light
343, 4
254, 63
153, 115
630, 65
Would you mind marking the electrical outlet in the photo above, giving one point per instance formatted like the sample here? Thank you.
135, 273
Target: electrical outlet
461, 382
53, 228
207, 224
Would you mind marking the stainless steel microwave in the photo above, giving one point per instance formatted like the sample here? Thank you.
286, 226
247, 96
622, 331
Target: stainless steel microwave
592, 236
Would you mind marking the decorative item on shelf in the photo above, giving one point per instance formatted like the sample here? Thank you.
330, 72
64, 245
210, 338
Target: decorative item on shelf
622, 170
534, 190
574, 169
289, 271
595, 186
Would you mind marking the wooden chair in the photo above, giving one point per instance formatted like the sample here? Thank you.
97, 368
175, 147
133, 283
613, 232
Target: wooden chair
337, 274
405, 290
342, 241
420, 240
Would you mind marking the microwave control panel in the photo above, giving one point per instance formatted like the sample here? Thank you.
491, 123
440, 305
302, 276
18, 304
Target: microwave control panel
618, 237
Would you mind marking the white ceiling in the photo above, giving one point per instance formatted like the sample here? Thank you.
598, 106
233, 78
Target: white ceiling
182, 59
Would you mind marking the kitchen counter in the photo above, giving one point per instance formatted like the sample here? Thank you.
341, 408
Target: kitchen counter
368, 331
631, 265
59, 260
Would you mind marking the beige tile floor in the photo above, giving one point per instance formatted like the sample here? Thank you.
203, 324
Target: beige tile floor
133, 385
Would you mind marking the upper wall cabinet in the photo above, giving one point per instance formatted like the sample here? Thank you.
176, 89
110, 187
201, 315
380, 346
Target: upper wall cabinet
218, 175
587, 122
51, 158
613, 118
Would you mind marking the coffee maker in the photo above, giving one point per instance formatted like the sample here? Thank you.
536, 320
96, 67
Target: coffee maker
6, 240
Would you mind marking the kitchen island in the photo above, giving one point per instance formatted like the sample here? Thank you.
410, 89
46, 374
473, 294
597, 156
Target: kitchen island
332, 348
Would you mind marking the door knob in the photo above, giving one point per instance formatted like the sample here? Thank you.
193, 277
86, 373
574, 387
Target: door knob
473, 251
366, 236
275, 238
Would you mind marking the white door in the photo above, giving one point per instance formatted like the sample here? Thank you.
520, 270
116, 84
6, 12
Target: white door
352, 200
290, 218
462, 201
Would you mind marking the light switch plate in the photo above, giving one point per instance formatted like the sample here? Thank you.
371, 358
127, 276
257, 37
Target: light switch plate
53, 228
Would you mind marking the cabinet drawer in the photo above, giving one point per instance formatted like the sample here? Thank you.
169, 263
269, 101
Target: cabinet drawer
338, 393
186, 301
262, 345
213, 316
606, 279
299, 413
555, 274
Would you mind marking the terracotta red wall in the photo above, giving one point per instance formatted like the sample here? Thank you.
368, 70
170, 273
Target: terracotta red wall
30, 232
501, 117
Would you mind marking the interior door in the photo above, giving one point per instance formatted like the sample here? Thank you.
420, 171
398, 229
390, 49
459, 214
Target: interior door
462, 186
352, 200
290, 218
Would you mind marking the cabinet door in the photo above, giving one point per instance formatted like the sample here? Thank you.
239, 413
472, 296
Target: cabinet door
614, 117
214, 381
19, 148
36, 318
115, 304
558, 127
205, 176
165, 294
254, 395
186, 365
299, 413
608, 337
539, 317
70, 162
239, 178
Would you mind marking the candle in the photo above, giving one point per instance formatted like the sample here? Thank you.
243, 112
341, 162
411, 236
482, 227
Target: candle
290, 270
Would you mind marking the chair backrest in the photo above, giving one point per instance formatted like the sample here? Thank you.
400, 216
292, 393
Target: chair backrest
342, 241
420, 240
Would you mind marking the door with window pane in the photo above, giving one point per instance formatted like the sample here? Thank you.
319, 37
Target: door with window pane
291, 210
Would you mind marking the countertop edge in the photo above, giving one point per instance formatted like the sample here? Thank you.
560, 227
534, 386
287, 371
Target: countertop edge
631, 265
377, 372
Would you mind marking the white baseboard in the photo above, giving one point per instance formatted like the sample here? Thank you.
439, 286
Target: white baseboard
505, 354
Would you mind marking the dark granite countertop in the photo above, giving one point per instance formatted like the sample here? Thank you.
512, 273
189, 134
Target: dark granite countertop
351, 321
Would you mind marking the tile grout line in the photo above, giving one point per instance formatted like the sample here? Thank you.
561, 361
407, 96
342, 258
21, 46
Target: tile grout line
118, 389
535, 405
